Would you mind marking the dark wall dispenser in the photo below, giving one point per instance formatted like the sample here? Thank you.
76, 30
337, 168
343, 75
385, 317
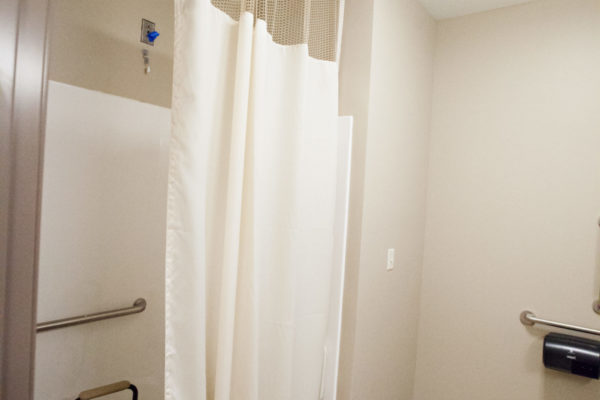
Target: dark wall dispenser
572, 354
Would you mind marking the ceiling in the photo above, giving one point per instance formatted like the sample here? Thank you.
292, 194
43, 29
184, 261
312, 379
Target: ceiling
441, 9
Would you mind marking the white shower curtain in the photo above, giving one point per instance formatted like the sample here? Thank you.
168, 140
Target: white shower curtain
250, 212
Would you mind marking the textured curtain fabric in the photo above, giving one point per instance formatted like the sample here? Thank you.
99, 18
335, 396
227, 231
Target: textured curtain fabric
252, 186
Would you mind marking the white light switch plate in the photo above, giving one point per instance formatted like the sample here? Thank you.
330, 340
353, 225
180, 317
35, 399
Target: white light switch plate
390, 259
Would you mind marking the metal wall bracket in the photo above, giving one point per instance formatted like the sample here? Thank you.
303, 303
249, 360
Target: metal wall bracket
596, 303
596, 306
147, 27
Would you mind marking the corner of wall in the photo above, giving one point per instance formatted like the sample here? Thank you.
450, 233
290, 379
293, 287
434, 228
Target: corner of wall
386, 83
354, 72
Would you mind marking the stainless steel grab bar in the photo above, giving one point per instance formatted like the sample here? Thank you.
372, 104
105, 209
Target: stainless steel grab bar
138, 306
529, 318
108, 389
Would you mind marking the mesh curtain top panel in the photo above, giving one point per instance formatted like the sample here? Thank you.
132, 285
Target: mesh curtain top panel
313, 22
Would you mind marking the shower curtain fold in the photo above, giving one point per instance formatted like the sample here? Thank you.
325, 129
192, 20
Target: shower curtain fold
252, 185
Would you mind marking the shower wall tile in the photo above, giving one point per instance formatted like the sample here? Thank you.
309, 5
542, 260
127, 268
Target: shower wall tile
102, 242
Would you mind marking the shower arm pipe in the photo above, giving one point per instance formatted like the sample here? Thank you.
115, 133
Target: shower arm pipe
528, 318
138, 306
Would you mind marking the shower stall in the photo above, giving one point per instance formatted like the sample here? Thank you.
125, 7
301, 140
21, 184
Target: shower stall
299, 199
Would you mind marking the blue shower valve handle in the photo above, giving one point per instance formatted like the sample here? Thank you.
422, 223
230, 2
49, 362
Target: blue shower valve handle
152, 36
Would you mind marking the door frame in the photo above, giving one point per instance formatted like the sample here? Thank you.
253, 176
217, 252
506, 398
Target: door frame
22, 117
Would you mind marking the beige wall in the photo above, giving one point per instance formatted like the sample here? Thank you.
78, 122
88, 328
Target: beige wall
394, 75
96, 45
513, 200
